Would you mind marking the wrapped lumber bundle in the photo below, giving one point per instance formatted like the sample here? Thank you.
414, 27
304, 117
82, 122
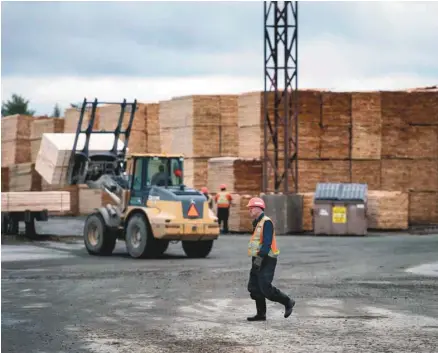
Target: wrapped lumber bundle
307, 210
366, 172
5, 179
366, 115
395, 174
152, 128
54, 155
387, 209
335, 142
336, 109
240, 220
72, 115
49, 200
23, 177
423, 208
196, 172
73, 190
15, 139
40, 127
242, 176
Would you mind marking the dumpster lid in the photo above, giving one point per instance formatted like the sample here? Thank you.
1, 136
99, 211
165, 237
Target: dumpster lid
341, 192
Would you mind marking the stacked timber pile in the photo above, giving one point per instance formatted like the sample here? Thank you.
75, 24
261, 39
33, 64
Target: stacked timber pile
40, 127
51, 201
307, 210
15, 139
73, 191
72, 115
241, 176
387, 209
240, 220
23, 177
199, 127
409, 160
152, 128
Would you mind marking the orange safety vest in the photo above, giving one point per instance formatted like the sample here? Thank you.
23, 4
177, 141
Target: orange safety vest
222, 199
256, 241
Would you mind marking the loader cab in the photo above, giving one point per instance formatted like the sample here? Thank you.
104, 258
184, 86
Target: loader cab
163, 171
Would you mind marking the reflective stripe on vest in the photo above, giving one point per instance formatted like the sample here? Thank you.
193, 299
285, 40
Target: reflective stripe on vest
222, 200
256, 241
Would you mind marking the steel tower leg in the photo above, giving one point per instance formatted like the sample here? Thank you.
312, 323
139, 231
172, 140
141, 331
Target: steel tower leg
280, 101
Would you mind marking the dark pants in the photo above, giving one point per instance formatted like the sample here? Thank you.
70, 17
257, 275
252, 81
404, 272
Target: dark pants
260, 286
222, 216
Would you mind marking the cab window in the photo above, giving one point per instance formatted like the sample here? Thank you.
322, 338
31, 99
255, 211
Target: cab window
138, 173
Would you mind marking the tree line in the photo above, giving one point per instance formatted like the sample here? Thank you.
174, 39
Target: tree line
17, 104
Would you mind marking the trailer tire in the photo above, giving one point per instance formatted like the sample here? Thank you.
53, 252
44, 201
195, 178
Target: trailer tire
140, 242
98, 238
197, 249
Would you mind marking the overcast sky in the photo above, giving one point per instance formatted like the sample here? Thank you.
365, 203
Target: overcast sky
61, 52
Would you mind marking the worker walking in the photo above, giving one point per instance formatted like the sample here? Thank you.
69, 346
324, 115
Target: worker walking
263, 250
204, 190
223, 201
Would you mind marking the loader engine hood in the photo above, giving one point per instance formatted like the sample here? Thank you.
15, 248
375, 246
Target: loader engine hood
186, 196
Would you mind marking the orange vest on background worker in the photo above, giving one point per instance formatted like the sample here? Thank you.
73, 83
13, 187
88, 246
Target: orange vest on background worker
256, 241
223, 198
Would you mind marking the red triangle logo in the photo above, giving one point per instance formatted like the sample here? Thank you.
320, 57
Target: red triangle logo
193, 212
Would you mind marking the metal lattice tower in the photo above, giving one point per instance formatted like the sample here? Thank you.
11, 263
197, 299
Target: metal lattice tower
280, 167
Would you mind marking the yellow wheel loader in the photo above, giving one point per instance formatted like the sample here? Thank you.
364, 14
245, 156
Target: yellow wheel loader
151, 207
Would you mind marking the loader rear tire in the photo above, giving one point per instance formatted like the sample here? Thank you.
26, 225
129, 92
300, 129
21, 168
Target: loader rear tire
197, 249
98, 238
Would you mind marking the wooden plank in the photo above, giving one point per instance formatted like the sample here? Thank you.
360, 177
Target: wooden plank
23, 177
366, 172
240, 220
335, 142
16, 127
152, 128
15, 152
307, 210
5, 179
35, 201
54, 155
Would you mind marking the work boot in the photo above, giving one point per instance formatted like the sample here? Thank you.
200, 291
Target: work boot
288, 308
261, 311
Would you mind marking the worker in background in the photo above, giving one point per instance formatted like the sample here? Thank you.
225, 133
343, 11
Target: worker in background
263, 250
223, 201
204, 190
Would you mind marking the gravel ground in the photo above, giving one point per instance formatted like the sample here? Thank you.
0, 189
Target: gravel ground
353, 295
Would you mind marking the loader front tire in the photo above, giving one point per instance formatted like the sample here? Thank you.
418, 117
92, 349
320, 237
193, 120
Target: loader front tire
139, 239
197, 249
98, 238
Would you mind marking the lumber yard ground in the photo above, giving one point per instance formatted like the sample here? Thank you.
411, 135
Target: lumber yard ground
373, 294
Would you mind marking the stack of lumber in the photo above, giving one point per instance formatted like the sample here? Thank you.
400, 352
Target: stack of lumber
72, 115
40, 127
15, 139
152, 128
387, 209
89, 199
23, 177
410, 150
307, 209
109, 116
54, 155
199, 127
49, 200
73, 190
240, 220
242, 176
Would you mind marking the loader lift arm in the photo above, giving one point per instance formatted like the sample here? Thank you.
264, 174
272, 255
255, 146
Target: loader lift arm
85, 165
